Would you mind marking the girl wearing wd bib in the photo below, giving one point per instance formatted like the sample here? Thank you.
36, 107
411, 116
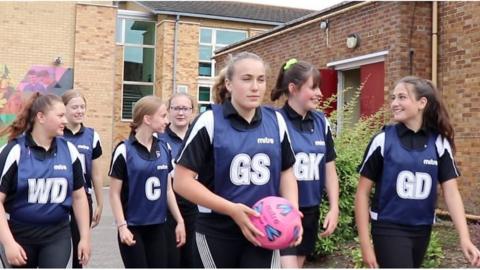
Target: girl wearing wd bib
313, 145
405, 162
140, 189
87, 142
41, 180
241, 153
180, 111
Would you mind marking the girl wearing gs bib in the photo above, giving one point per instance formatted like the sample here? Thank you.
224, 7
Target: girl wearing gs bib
241, 153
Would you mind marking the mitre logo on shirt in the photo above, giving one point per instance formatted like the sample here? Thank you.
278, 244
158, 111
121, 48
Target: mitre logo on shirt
60, 167
430, 162
319, 143
162, 167
82, 146
265, 140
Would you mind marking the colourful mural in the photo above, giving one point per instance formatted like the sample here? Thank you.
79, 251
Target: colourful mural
43, 79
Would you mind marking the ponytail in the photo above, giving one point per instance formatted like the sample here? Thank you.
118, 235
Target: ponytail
25, 119
296, 72
435, 116
219, 87
147, 105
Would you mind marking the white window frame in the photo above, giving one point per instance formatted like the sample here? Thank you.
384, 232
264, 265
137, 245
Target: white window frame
198, 95
215, 46
137, 16
348, 64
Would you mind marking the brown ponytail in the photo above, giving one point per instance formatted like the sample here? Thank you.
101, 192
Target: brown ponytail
296, 72
219, 87
26, 118
435, 115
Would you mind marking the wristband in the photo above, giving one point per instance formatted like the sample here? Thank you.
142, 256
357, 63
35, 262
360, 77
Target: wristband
119, 225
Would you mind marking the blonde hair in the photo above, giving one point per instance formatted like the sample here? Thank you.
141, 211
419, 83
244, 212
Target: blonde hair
172, 97
71, 94
147, 105
219, 87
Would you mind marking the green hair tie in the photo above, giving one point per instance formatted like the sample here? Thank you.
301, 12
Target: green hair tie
290, 63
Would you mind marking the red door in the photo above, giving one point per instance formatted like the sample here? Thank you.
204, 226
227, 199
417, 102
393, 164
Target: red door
328, 85
372, 93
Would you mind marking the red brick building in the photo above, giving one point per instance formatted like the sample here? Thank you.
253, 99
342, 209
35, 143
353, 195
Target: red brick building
393, 39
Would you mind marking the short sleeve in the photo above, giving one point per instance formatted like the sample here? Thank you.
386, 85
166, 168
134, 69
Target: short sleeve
97, 146
118, 165
372, 164
447, 169
197, 147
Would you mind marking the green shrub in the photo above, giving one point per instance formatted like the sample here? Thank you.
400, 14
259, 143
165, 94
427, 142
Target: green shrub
434, 256
350, 145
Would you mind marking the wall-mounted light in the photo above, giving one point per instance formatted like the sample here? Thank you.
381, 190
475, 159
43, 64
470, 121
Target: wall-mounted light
353, 41
58, 61
324, 24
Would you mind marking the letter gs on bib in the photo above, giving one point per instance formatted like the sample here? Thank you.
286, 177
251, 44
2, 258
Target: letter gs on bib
245, 170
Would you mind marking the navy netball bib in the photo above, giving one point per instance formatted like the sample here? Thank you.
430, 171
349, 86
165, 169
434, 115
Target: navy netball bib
44, 187
407, 192
147, 185
309, 168
247, 162
84, 144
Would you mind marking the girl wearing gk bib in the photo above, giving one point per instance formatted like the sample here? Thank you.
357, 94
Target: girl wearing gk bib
140, 189
235, 171
313, 145
405, 162
87, 142
41, 180
180, 111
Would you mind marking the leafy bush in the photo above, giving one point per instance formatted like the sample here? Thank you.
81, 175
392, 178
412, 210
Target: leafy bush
434, 256
350, 145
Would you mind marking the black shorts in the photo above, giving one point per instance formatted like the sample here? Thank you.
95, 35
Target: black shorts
310, 223
411, 243
150, 249
214, 252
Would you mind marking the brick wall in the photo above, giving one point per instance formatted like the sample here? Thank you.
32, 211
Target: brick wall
380, 25
94, 60
459, 80
35, 33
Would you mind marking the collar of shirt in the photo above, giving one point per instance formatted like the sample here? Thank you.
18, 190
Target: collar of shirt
67, 131
172, 134
39, 151
300, 123
237, 121
143, 151
411, 139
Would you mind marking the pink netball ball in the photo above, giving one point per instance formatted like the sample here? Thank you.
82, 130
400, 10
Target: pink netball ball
279, 221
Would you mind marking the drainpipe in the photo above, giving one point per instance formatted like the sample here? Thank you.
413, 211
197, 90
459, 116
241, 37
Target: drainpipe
175, 45
434, 41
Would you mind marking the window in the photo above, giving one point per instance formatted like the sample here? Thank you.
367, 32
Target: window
204, 97
211, 40
138, 38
